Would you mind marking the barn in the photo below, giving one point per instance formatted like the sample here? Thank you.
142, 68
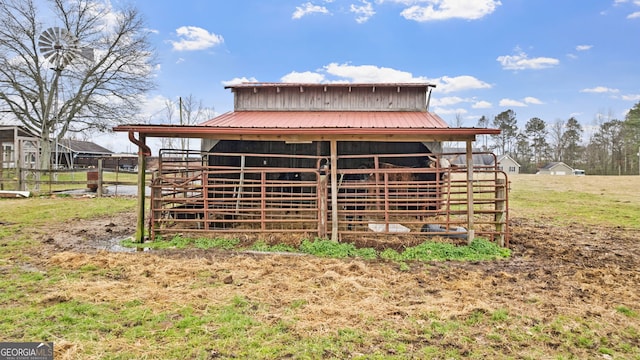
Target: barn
76, 153
325, 160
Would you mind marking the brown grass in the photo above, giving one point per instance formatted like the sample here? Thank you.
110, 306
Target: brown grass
563, 281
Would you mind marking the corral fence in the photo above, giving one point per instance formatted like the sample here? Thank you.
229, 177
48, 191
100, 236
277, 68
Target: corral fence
92, 180
244, 196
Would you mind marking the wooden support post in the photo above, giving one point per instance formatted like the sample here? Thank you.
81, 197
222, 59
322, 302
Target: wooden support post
141, 191
100, 173
470, 214
21, 183
334, 190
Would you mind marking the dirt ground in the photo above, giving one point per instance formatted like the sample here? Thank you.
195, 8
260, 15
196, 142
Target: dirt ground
574, 271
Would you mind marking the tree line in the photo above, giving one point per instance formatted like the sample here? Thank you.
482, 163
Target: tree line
613, 149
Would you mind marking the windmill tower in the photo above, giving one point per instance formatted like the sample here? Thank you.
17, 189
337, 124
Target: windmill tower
59, 46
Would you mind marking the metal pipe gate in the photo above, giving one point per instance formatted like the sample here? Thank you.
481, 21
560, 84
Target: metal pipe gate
375, 199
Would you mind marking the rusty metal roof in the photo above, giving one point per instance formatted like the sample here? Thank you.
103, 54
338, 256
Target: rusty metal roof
312, 125
327, 119
316, 125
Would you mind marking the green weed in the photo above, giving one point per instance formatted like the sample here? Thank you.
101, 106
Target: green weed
264, 247
217, 243
626, 311
500, 315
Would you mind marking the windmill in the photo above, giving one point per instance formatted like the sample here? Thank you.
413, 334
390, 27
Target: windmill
59, 46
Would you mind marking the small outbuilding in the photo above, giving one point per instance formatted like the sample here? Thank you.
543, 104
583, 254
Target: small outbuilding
326, 160
72, 153
20, 148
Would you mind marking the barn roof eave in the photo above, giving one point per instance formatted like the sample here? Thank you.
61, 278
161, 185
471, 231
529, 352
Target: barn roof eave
443, 134
338, 84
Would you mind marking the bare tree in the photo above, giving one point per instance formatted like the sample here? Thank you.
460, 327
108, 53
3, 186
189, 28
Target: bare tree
191, 111
169, 111
536, 131
483, 123
508, 124
84, 71
556, 133
571, 139
190, 114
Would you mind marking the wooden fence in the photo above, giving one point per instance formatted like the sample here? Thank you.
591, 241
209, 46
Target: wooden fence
92, 180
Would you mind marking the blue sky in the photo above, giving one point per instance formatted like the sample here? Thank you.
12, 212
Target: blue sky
541, 58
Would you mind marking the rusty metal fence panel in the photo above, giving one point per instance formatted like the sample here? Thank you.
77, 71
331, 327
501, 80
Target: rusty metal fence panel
189, 195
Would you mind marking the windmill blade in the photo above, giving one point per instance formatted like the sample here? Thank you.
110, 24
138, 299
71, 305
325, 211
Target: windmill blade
60, 47
48, 54
48, 37
68, 40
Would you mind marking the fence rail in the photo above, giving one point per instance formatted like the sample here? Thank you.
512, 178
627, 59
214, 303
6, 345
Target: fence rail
195, 196
95, 180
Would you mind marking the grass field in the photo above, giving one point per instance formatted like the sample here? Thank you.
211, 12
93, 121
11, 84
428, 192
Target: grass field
568, 291
50, 182
593, 200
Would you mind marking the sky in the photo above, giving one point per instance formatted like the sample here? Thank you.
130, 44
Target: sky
540, 58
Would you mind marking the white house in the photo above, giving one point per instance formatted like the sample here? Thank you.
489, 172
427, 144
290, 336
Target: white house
507, 164
556, 168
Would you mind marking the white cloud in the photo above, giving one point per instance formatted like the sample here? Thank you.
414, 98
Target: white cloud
634, 15
347, 73
512, 103
308, 8
371, 74
446, 101
152, 111
583, 47
236, 81
308, 77
532, 100
195, 38
445, 111
454, 100
107, 14
521, 61
631, 97
482, 105
600, 90
447, 9
363, 12
529, 100
448, 84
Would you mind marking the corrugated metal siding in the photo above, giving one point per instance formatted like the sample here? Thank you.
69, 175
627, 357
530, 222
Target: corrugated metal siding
328, 119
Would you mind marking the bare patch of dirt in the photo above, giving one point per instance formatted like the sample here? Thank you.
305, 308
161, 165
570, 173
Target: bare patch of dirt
88, 235
574, 271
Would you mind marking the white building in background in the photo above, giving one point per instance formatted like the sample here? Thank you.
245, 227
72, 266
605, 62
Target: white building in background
555, 168
508, 164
